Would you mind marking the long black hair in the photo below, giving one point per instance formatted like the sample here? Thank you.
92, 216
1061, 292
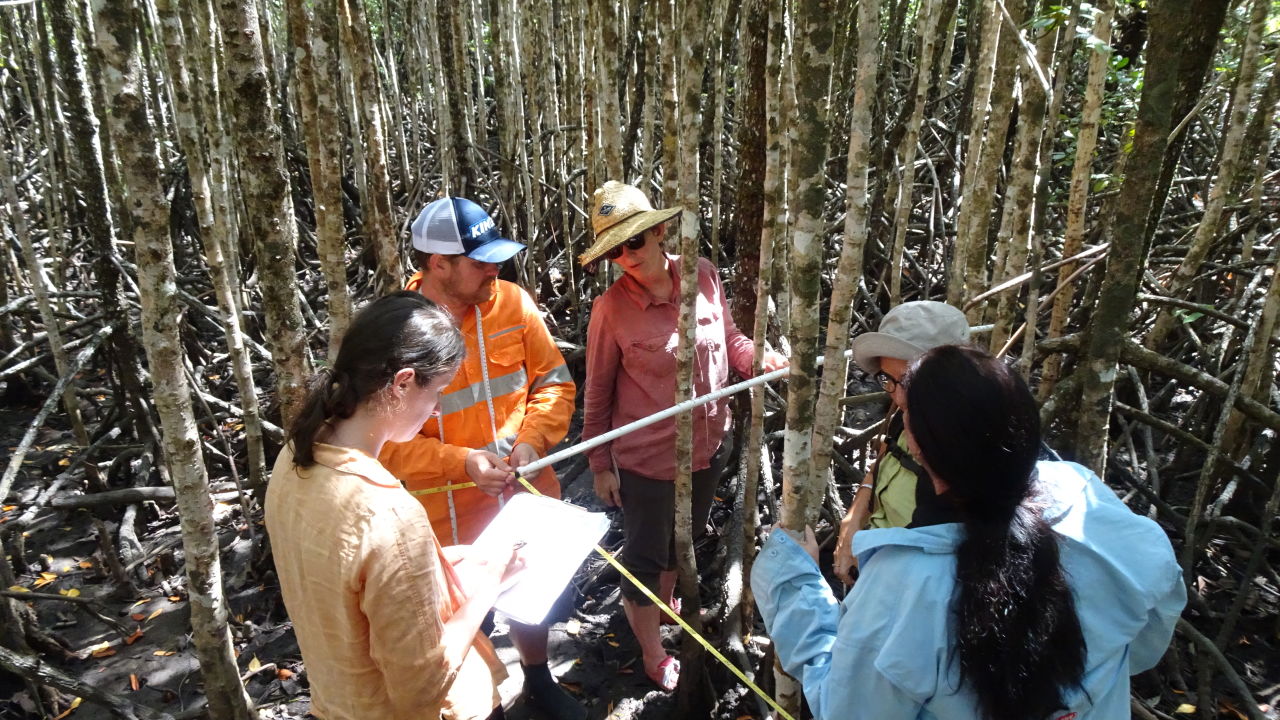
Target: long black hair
401, 330
1017, 633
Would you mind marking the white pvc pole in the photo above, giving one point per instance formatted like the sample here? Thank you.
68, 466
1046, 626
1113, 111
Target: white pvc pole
685, 406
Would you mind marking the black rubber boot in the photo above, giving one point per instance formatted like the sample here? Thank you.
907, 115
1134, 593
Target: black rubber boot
545, 696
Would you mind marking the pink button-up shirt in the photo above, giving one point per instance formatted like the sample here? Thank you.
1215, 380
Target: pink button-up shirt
631, 372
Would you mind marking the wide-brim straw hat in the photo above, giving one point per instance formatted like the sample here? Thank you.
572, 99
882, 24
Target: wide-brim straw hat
620, 211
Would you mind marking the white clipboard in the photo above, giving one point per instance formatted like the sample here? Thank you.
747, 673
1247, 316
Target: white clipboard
557, 537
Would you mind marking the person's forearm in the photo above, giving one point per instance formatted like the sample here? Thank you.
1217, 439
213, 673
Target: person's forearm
860, 508
460, 630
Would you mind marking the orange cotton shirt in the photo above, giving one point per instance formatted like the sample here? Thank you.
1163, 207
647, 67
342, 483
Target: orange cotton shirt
533, 396
368, 592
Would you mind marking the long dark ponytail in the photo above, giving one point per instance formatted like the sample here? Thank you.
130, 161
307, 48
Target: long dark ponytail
1017, 633
401, 330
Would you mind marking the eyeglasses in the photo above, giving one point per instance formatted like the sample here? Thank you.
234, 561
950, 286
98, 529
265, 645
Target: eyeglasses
887, 381
632, 243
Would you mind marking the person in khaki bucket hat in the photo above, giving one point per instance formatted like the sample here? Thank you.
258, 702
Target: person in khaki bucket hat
631, 369
891, 494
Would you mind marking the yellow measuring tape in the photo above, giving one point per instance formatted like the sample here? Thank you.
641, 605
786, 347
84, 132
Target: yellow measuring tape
442, 488
663, 606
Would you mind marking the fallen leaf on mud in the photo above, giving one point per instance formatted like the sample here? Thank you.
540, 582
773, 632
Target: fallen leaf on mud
164, 653
104, 653
284, 673
154, 614
138, 616
1225, 707
611, 642
18, 588
143, 601
137, 635
86, 564
175, 598
44, 579
255, 664
574, 688
1185, 709
73, 592
74, 704
573, 626
7, 508
133, 682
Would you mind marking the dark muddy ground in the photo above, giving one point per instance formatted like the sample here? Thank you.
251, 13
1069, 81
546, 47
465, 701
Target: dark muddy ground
136, 642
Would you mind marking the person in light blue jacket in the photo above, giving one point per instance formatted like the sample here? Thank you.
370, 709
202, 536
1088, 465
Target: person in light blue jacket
1038, 601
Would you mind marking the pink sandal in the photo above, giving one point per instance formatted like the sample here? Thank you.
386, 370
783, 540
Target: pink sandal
666, 675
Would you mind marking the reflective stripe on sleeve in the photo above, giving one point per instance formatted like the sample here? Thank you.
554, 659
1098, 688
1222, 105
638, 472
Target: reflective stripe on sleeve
555, 376
465, 397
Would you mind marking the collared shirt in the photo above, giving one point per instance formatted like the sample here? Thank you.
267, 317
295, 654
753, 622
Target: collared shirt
889, 651
368, 592
895, 491
532, 403
631, 372
904, 494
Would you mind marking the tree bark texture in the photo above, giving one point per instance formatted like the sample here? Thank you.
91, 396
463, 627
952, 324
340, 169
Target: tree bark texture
1078, 192
688, 64
264, 187
1177, 32
130, 126
217, 241
928, 32
803, 488
748, 218
315, 47
378, 224
986, 158
835, 372
1228, 166
88, 148
1016, 234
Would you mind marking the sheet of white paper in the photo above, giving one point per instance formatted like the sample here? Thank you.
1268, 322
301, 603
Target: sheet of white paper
557, 537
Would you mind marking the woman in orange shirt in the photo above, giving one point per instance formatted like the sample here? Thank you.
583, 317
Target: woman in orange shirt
388, 623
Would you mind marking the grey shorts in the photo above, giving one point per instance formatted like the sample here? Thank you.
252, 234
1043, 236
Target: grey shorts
648, 522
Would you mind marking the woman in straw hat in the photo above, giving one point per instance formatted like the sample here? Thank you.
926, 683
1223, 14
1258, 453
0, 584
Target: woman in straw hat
631, 373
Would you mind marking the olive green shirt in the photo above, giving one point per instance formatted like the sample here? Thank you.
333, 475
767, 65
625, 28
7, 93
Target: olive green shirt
895, 492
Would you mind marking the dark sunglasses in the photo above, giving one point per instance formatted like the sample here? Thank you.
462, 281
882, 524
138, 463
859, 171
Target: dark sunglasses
632, 243
887, 381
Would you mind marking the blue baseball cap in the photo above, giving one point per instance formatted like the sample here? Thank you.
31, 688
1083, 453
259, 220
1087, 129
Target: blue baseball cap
457, 226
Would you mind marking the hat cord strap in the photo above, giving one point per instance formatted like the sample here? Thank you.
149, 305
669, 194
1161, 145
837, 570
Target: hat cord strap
484, 376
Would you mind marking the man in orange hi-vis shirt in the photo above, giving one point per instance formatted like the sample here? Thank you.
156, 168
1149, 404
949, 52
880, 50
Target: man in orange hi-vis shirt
509, 403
